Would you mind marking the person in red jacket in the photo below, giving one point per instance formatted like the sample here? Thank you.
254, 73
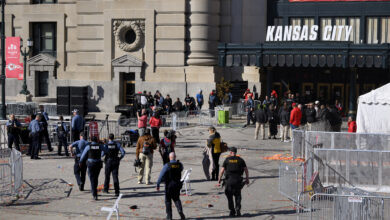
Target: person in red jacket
351, 125
155, 123
295, 116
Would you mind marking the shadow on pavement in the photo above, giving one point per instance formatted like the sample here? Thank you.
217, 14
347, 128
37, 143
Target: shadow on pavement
42, 191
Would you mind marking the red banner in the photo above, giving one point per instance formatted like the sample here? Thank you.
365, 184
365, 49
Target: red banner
14, 69
339, 0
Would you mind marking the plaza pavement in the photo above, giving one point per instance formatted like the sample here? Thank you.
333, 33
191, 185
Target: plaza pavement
47, 194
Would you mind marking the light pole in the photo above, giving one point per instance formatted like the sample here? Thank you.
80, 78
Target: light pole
2, 77
25, 53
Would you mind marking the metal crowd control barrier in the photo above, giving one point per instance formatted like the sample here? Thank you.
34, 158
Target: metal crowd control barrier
364, 168
337, 140
290, 180
347, 205
11, 174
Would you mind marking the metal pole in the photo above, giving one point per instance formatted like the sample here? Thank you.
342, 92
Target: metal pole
24, 87
2, 78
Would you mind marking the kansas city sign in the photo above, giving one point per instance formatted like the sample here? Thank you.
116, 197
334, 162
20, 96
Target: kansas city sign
306, 33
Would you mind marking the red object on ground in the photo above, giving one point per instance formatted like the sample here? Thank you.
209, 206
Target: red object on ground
352, 126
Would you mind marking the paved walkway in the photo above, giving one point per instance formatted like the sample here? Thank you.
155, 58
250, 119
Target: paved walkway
48, 193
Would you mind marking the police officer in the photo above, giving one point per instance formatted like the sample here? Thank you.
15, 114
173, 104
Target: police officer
112, 163
77, 125
62, 134
13, 130
79, 169
93, 152
35, 128
44, 133
234, 167
171, 174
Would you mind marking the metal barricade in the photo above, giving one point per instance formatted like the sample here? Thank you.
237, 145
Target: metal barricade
364, 168
290, 180
11, 173
337, 140
347, 205
298, 143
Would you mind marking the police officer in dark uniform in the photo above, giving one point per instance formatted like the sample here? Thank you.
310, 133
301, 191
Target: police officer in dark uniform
77, 148
13, 130
62, 134
171, 174
234, 167
44, 133
93, 152
112, 161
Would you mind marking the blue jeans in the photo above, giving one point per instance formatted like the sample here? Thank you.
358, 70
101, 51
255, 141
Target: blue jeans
293, 126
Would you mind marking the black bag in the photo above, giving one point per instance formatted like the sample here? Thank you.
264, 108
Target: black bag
147, 148
137, 162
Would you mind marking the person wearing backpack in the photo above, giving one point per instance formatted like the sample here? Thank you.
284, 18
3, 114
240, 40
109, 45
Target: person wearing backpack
144, 152
167, 145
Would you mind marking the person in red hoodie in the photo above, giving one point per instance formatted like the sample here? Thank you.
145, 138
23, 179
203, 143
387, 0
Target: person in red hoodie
351, 125
155, 123
295, 116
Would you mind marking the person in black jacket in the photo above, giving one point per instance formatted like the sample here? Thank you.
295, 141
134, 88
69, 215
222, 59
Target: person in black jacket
272, 121
284, 117
334, 118
261, 119
310, 113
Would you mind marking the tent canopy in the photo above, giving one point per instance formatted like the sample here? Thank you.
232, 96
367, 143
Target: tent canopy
373, 115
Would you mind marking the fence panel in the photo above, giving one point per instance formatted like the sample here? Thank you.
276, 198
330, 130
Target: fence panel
363, 168
298, 143
291, 180
11, 174
348, 206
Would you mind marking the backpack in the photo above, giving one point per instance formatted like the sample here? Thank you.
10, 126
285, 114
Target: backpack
224, 147
147, 148
212, 99
167, 145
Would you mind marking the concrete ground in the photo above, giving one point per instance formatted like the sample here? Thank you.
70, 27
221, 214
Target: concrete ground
48, 194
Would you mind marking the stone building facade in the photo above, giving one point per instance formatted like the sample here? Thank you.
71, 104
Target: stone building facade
118, 47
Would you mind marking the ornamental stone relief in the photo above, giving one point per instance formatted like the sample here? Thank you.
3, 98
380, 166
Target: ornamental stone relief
129, 34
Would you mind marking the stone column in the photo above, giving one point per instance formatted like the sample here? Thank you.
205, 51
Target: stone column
203, 35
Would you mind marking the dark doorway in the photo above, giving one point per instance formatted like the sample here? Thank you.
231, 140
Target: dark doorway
43, 83
128, 88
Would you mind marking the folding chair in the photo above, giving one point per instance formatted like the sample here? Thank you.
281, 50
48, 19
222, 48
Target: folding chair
186, 180
115, 208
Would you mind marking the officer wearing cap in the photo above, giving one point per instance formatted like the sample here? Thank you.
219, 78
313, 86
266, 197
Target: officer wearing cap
44, 132
13, 130
79, 169
77, 125
171, 174
93, 152
112, 161
234, 167
62, 134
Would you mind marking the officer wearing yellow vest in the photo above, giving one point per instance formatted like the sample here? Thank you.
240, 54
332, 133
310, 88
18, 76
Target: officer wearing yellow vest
171, 175
214, 142
234, 167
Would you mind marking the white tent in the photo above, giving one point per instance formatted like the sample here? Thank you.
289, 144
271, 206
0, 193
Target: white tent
373, 115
